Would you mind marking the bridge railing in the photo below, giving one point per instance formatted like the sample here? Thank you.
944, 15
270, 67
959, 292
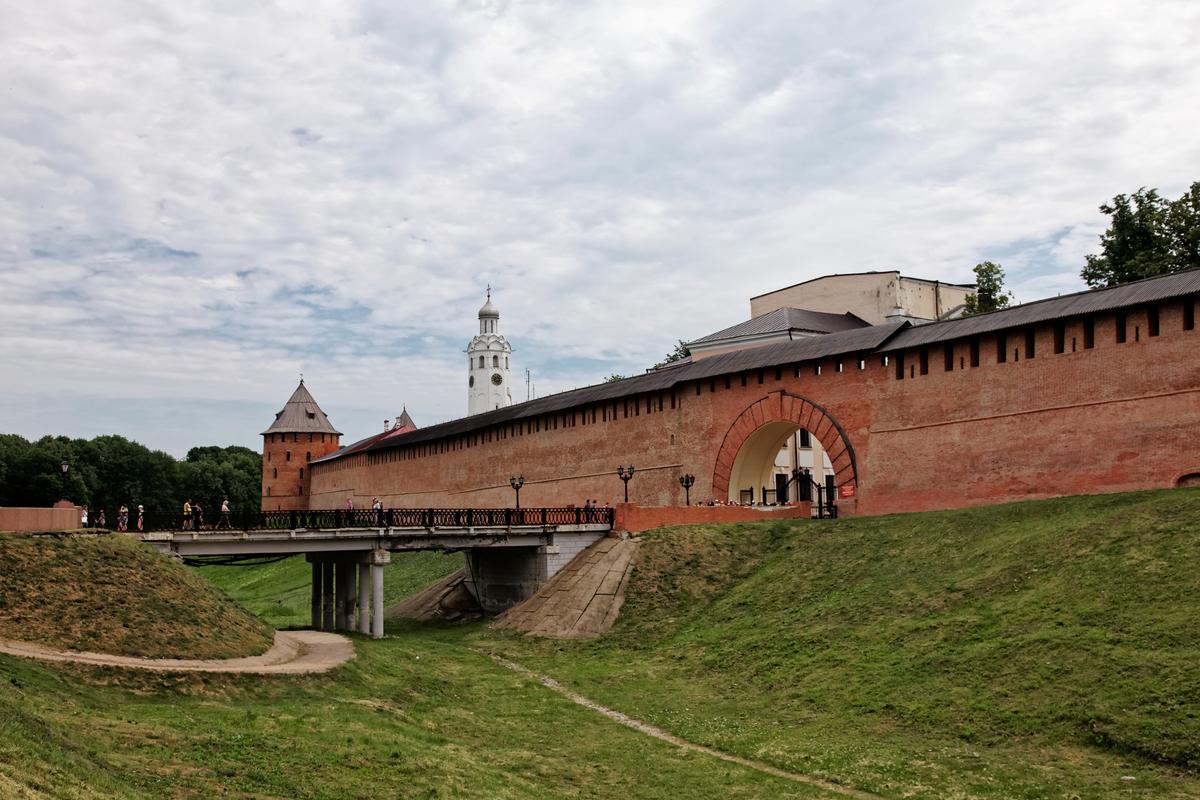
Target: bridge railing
334, 519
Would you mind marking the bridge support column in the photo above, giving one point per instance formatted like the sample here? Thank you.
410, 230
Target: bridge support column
378, 559
316, 593
364, 598
326, 595
342, 611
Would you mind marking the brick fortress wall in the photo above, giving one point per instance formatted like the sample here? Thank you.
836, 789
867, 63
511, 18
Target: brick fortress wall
1110, 417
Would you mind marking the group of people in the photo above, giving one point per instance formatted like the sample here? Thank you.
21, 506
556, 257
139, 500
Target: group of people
100, 520
193, 516
591, 506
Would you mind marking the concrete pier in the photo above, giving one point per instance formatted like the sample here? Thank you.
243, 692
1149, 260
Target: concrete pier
316, 593
326, 595
364, 598
378, 559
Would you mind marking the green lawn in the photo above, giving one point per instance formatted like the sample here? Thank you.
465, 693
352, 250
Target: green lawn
413, 716
1046, 649
1035, 650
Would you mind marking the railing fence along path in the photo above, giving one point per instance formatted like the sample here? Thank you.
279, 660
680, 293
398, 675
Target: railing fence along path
336, 519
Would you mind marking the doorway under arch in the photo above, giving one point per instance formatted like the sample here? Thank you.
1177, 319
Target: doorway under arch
752, 442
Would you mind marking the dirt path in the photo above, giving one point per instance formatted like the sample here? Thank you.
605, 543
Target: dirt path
294, 653
659, 733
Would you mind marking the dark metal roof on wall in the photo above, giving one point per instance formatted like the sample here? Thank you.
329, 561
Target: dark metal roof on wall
774, 355
787, 319
876, 338
1149, 290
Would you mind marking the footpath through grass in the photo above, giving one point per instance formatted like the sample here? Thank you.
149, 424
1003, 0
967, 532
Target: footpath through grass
1032, 650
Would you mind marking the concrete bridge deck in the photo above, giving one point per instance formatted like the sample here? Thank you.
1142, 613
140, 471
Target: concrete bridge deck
258, 542
508, 555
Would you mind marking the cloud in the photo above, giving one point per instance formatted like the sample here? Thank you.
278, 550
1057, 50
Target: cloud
202, 202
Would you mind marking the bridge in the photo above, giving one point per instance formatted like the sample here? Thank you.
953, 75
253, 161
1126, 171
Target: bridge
510, 552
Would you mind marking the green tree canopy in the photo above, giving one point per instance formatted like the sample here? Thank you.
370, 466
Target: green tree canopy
680, 352
110, 470
989, 290
1147, 235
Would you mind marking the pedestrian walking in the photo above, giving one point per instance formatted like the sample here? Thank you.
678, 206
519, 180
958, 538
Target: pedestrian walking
197, 517
123, 518
187, 513
141, 523
349, 504
100, 523
223, 522
377, 507
83, 522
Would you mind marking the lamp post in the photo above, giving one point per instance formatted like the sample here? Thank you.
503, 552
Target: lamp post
516, 482
65, 466
686, 482
803, 484
625, 474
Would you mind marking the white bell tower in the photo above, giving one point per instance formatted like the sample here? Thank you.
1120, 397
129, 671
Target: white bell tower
489, 381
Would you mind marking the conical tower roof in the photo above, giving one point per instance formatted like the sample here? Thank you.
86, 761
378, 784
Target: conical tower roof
301, 414
404, 422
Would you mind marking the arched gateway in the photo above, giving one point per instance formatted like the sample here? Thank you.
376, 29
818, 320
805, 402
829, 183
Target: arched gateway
747, 453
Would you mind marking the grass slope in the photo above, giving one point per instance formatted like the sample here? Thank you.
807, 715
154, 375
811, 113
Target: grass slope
114, 595
1043, 649
413, 716
280, 592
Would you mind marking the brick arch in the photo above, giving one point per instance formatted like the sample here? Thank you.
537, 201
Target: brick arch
784, 406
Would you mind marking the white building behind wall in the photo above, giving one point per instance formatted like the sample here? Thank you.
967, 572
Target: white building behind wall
814, 308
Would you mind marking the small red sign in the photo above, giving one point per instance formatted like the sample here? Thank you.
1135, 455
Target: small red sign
846, 490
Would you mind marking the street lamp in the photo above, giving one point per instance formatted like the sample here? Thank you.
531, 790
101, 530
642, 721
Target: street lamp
625, 473
64, 466
516, 482
686, 482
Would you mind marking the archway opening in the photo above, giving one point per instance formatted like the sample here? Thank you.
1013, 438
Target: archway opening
1188, 479
763, 470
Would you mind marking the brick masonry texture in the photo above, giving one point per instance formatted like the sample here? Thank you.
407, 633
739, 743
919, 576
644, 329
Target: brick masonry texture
1115, 417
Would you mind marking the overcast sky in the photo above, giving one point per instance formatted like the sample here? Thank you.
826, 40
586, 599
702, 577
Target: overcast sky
198, 201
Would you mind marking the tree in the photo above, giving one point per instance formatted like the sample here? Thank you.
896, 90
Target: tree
614, 378
989, 290
680, 352
1147, 235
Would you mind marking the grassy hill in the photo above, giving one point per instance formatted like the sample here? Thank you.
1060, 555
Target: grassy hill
1036, 650
111, 594
1044, 649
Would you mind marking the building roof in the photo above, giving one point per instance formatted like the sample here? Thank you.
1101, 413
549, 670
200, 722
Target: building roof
786, 320
404, 424
865, 272
1148, 290
851, 343
301, 414
797, 350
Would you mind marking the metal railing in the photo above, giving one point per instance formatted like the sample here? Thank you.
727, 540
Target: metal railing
337, 519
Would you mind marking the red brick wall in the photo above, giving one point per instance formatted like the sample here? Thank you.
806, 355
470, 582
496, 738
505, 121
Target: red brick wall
635, 518
286, 475
1115, 417
42, 519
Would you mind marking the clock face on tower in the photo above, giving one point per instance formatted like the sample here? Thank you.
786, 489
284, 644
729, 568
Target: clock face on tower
497, 378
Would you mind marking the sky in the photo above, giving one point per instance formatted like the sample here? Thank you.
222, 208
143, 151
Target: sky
201, 201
